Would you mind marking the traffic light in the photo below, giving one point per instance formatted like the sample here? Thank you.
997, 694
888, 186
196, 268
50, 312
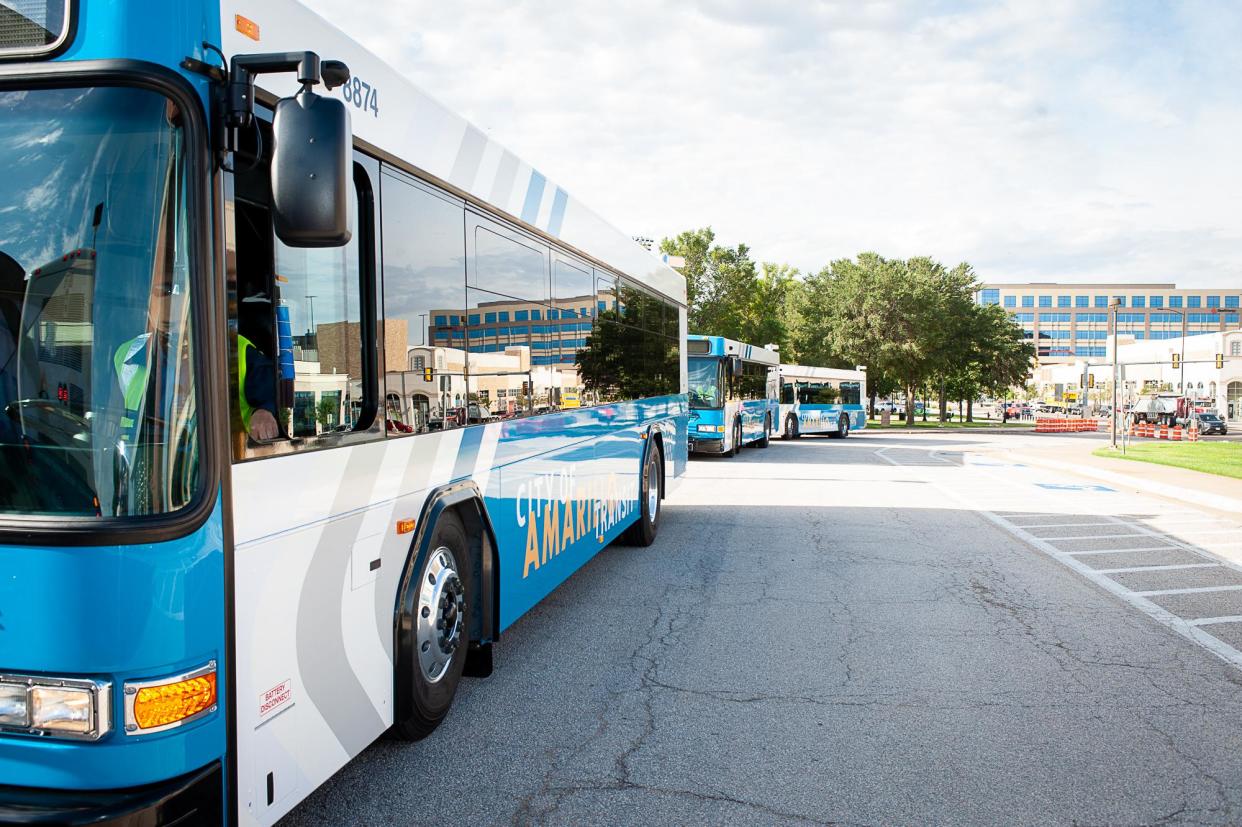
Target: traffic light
526, 389
427, 373
1090, 380
1220, 361
1177, 361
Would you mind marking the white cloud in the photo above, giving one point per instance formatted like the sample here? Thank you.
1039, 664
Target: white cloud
1054, 140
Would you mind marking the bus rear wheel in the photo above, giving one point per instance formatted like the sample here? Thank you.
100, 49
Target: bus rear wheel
644, 531
767, 431
791, 427
843, 428
440, 635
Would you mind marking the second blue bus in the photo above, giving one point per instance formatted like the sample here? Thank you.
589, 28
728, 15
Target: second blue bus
733, 394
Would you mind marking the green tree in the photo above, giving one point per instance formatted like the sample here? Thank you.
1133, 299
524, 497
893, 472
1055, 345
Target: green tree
728, 294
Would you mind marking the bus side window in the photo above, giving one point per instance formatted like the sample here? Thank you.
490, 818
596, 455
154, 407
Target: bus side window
754, 381
424, 298
302, 351
627, 354
508, 273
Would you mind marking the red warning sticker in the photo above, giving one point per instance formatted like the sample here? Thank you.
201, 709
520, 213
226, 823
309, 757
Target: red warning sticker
275, 698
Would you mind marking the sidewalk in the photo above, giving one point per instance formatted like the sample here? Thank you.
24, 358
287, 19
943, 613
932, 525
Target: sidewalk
1194, 487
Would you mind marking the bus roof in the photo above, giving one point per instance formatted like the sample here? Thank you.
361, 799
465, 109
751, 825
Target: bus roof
796, 372
720, 346
404, 122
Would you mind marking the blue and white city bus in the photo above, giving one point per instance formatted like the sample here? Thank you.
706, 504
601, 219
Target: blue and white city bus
733, 394
821, 401
310, 389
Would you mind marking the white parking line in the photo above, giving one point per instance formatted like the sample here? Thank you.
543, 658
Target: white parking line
1122, 550
1160, 568
1207, 621
1060, 525
1135, 534
1196, 590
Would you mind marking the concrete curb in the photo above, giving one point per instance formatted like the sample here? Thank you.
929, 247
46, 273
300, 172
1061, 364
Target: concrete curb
1174, 492
880, 429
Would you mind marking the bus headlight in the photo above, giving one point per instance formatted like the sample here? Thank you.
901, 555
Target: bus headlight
12, 705
55, 707
62, 710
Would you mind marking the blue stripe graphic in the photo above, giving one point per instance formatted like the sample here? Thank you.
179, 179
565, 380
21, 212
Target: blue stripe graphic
559, 202
534, 194
468, 453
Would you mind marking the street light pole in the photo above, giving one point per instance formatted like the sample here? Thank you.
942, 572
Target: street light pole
1181, 382
1113, 438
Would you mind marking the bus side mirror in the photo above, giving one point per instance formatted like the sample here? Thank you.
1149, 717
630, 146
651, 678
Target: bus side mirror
311, 171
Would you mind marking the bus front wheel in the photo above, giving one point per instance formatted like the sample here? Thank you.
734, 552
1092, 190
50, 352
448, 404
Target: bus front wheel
737, 438
791, 427
644, 531
440, 635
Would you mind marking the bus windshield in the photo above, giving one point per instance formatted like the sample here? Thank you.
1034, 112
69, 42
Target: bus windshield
97, 399
705, 383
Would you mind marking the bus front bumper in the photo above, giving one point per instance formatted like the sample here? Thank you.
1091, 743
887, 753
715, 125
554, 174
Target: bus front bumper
195, 798
707, 445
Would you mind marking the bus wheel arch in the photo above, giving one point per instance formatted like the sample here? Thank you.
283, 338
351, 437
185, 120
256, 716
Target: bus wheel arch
644, 530
737, 437
454, 517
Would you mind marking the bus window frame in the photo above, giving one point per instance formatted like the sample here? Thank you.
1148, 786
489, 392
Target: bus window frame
369, 303
205, 275
57, 47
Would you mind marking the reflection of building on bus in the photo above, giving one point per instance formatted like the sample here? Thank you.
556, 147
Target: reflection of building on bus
554, 333
55, 355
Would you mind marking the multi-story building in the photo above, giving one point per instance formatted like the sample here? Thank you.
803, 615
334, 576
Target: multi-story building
1069, 322
1209, 372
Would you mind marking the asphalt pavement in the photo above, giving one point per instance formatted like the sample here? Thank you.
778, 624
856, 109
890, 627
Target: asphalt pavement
891, 629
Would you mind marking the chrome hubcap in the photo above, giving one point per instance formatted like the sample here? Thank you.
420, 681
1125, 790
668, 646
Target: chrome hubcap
441, 614
653, 493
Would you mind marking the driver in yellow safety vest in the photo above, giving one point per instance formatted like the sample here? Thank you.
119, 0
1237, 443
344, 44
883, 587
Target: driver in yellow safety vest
256, 371
256, 390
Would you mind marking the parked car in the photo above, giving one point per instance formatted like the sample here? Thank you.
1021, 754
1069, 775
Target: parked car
1210, 423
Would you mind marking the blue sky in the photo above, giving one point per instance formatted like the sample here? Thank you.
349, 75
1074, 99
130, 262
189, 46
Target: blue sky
1051, 141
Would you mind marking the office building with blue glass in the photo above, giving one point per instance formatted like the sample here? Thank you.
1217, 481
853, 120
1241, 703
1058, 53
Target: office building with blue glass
1071, 322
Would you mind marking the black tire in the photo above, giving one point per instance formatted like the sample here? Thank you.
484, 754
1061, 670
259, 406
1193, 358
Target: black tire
432, 697
791, 428
767, 433
843, 428
737, 438
644, 531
